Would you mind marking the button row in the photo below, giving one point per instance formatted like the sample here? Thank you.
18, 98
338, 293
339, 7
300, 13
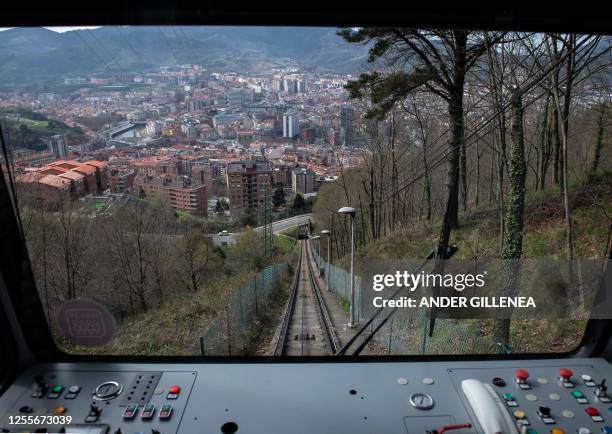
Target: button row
148, 411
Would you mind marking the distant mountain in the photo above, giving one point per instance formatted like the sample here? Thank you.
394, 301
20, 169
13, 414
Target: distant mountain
30, 55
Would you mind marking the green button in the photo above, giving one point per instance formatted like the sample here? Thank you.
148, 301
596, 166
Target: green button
58, 389
531, 431
577, 394
508, 396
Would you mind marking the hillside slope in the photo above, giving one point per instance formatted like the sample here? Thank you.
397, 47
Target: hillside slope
31, 54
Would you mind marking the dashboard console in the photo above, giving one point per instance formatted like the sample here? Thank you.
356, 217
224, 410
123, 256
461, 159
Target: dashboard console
557, 396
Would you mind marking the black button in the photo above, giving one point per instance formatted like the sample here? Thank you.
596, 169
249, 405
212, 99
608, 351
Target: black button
26, 409
499, 382
544, 411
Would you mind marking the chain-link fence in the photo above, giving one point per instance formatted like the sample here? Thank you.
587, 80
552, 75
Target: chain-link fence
231, 331
339, 281
407, 331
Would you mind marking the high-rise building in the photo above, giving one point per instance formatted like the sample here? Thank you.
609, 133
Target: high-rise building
347, 127
234, 98
303, 181
193, 105
57, 146
301, 86
154, 128
247, 181
136, 116
202, 173
277, 85
291, 124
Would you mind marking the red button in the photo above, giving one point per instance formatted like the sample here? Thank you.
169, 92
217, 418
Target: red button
565, 373
174, 389
592, 411
521, 374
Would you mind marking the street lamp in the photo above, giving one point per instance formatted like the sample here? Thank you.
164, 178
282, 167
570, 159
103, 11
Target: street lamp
328, 234
347, 210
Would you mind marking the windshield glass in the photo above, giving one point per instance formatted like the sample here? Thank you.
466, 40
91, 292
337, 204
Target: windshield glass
277, 191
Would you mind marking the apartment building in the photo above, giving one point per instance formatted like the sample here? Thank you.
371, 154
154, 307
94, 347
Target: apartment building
73, 177
178, 191
303, 181
247, 181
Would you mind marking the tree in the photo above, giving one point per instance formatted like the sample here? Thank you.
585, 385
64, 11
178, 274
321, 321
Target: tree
298, 202
196, 254
436, 60
278, 198
221, 206
247, 217
131, 246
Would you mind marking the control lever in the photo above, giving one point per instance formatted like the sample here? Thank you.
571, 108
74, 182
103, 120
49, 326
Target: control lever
602, 389
488, 408
445, 428
40, 386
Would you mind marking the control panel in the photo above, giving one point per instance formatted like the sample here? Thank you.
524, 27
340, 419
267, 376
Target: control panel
547, 396
117, 402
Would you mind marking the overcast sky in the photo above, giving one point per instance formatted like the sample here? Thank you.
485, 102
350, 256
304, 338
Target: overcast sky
57, 29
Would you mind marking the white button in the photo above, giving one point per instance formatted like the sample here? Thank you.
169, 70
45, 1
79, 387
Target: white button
586, 377
542, 380
584, 430
428, 380
530, 397
569, 414
402, 380
554, 397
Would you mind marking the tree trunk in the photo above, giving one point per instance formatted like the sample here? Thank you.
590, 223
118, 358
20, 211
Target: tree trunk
463, 176
512, 247
455, 111
599, 141
477, 186
427, 182
544, 148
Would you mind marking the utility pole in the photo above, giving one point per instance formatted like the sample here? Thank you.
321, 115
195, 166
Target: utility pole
267, 223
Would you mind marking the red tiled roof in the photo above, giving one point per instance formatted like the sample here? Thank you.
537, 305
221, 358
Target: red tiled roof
55, 181
85, 169
98, 164
55, 170
73, 175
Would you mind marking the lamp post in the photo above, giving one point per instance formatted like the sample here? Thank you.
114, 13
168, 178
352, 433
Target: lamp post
347, 210
328, 234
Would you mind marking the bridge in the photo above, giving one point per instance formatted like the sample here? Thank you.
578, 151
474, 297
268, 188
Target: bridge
277, 227
122, 128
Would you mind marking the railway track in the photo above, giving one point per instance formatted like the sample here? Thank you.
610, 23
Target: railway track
306, 326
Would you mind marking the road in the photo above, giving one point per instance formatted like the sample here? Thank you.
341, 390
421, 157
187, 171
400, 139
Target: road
282, 225
277, 227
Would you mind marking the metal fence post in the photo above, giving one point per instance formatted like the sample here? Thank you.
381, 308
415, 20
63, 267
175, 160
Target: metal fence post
255, 289
240, 304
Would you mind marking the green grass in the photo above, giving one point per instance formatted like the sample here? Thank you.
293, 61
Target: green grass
284, 244
184, 214
172, 329
39, 127
96, 204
